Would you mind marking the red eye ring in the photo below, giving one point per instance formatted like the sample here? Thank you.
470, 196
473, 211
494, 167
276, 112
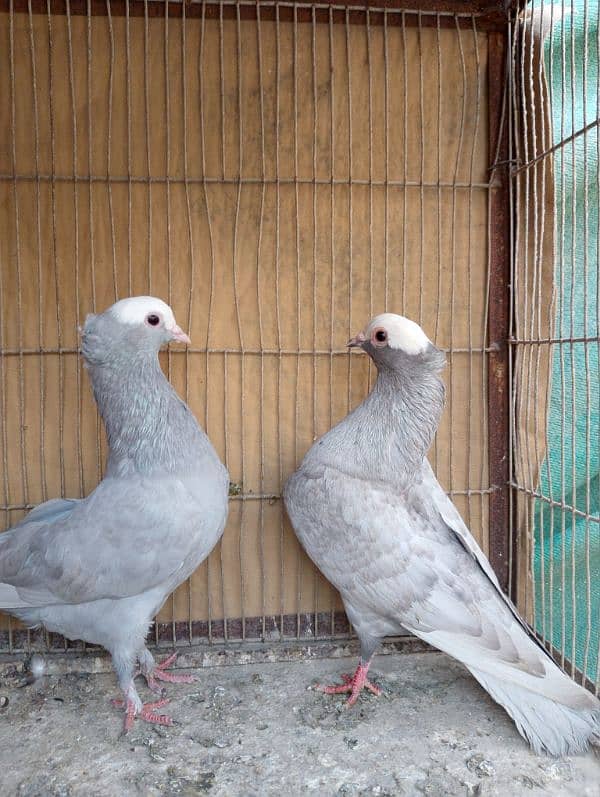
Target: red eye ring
379, 337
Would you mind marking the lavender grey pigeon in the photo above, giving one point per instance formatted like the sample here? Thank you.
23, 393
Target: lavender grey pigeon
99, 568
373, 517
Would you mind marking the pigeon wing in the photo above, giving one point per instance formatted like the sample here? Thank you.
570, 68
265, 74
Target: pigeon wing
398, 563
454, 522
126, 537
49, 511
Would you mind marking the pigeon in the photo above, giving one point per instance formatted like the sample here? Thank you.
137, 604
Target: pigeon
99, 568
372, 516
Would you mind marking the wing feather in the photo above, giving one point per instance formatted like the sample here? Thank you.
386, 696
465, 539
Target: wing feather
408, 559
127, 536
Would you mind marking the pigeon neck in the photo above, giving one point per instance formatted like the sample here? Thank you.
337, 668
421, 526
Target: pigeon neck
148, 427
406, 408
386, 438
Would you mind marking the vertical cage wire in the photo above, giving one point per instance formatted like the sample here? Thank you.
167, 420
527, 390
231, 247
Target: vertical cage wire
555, 343
278, 172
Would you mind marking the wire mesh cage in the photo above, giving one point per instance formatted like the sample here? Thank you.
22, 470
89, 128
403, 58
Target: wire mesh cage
277, 172
555, 345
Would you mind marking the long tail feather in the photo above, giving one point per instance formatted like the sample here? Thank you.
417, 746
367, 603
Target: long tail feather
548, 725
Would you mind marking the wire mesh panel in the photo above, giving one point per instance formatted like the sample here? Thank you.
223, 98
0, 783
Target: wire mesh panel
556, 329
277, 174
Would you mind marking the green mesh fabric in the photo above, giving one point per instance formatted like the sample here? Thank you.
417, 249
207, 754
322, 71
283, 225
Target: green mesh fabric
567, 545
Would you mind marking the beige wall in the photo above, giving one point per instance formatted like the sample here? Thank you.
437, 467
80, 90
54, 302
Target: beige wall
269, 273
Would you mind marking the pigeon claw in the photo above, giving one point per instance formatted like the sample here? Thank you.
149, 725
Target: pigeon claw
147, 713
159, 674
353, 684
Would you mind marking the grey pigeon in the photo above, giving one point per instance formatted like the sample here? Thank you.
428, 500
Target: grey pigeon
99, 568
371, 514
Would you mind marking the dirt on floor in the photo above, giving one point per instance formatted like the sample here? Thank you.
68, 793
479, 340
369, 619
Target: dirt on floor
261, 729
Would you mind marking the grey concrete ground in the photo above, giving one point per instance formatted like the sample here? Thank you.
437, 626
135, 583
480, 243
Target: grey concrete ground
260, 729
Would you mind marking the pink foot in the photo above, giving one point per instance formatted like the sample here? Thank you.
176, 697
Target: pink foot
353, 684
147, 713
159, 674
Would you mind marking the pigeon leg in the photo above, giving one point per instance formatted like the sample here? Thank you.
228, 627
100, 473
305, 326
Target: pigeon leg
123, 664
153, 672
353, 684
132, 703
144, 711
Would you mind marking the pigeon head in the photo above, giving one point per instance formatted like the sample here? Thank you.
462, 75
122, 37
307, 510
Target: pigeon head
134, 326
395, 343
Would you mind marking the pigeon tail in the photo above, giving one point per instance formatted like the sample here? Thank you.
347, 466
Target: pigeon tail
548, 725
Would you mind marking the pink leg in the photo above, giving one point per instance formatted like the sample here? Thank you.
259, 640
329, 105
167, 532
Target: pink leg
146, 712
353, 684
158, 674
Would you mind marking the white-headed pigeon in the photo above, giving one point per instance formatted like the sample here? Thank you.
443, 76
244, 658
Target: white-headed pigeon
371, 514
99, 568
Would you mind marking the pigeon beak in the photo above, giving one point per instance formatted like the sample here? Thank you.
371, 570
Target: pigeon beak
357, 341
179, 335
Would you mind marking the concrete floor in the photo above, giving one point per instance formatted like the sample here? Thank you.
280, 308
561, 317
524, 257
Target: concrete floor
260, 729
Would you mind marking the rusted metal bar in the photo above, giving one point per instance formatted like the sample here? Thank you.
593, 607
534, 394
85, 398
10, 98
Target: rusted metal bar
499, 312
491, 14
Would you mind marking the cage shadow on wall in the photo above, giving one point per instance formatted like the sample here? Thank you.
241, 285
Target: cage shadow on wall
278, 173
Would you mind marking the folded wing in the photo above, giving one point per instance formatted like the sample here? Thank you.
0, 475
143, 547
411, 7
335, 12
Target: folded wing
126, 537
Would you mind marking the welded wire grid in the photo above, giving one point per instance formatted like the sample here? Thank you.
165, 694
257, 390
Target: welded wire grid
555, 346
278, 176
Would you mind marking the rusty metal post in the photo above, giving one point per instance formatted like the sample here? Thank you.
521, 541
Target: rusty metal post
499, 311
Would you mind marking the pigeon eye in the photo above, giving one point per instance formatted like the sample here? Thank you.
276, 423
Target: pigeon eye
153, 320
381, 336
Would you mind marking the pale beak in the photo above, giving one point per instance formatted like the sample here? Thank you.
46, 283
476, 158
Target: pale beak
179, 335
357, 340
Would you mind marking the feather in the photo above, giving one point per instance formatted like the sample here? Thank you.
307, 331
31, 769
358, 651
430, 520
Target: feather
369, 511
99, 568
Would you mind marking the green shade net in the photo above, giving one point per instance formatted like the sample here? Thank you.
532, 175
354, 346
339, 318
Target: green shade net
567, 545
